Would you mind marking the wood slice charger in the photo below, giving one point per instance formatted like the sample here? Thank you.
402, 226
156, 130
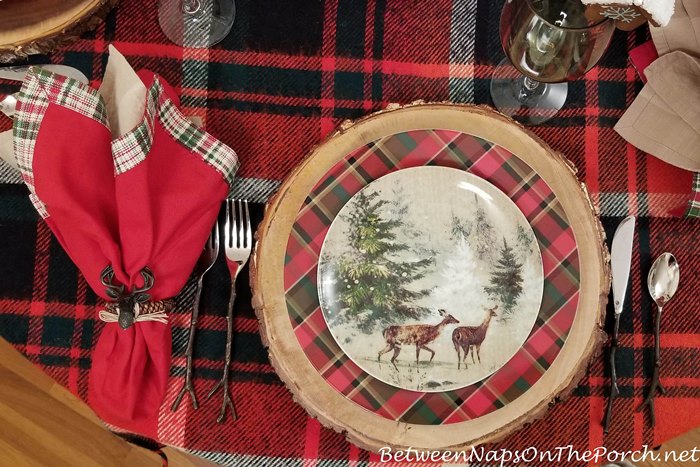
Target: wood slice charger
363, 426
40, 26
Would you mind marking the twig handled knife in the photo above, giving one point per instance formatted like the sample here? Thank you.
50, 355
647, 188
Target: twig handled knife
620, 258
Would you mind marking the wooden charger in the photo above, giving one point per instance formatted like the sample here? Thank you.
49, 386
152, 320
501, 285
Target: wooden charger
362, 426
40, 26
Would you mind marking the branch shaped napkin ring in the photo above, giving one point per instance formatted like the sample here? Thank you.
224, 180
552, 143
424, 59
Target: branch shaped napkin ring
130, 188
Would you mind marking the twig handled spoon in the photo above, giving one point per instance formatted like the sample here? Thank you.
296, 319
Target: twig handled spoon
662, 283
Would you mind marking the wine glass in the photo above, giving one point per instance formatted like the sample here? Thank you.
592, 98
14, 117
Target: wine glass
196, 23
549, 42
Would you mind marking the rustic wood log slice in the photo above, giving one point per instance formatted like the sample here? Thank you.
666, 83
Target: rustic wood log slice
40, 26
362, 426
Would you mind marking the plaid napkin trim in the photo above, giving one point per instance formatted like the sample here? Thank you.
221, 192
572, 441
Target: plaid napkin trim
131, 149
210, 149
41, 88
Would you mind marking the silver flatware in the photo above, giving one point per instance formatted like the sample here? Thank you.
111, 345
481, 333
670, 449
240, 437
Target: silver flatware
662, 282
620, 259
238, 240
8, 104
16, 73
204, 263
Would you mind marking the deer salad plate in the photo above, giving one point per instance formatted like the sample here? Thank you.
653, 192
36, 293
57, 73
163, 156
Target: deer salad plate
430, 278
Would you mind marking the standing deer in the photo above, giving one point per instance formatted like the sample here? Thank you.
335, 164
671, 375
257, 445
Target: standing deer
465, 337
419, 335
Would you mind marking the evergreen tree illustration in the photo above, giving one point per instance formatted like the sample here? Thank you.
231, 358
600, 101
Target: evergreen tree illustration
484, 235
506, 282
523, 242
373, 282
460, 229
397, 209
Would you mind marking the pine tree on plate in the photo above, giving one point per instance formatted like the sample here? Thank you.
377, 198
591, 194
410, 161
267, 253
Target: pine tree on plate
373, 280
506, 282
483, 234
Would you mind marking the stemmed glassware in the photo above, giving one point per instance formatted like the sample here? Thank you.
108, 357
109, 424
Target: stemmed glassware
549, 42
196, 23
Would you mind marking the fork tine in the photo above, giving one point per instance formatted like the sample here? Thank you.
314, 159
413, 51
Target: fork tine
248, 231
239, 233
234, 225
215, 233
227, 225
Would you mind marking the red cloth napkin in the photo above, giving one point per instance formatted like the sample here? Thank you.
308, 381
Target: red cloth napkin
642, 56
145, 200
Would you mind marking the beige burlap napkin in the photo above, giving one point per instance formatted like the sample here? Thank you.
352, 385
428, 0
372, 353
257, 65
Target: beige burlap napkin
664, 119
682, 32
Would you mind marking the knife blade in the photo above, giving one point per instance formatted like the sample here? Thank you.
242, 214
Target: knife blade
621, 259
16, 73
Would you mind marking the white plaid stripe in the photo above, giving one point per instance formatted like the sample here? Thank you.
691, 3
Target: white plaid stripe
132, 148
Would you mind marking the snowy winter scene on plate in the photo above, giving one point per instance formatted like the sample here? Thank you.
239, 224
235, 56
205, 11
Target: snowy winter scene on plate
430, 279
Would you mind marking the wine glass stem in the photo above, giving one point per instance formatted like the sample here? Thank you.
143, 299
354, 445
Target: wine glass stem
528, 89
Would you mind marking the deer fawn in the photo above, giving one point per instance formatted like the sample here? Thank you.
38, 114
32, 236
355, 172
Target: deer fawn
419, 335
465, 337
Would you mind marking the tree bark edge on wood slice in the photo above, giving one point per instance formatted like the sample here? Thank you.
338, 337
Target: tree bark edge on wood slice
44, 42
361, 426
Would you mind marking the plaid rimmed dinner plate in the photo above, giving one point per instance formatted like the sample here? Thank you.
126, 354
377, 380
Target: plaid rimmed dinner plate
494, 164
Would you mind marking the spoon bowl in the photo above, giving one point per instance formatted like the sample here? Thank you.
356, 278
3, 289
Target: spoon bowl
663, 279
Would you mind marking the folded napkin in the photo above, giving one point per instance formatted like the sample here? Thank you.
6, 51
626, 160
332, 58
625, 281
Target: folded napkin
130, 188
682, 31
663, 119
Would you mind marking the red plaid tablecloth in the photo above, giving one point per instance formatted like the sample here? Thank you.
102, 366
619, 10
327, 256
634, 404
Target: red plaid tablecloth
286, 76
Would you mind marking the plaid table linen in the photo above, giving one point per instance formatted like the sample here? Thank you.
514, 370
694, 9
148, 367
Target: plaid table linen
286, 76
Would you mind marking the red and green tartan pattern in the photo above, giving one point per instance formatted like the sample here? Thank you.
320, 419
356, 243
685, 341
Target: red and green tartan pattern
288, 74
460, 151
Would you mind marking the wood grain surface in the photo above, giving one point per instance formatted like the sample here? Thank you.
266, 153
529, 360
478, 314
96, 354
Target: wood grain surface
39, 26
42, 424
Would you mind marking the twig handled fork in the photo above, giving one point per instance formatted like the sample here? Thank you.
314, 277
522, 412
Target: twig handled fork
238, 239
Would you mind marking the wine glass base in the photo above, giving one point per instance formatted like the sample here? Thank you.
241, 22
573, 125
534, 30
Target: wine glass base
196, 23
529, 107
